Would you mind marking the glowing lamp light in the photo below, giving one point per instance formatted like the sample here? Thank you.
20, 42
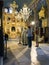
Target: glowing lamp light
32, 23
10, 10
6, 10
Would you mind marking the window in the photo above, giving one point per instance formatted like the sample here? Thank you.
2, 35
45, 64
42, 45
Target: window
13, 28
8, 18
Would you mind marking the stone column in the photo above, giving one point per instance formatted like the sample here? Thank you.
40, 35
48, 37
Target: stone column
48, 17
48, 24
36, 26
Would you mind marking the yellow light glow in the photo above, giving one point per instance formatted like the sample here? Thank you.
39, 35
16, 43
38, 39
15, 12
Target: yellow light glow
32, 23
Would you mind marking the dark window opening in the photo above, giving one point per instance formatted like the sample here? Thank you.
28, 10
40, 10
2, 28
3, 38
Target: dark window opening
13, 28
8, 18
